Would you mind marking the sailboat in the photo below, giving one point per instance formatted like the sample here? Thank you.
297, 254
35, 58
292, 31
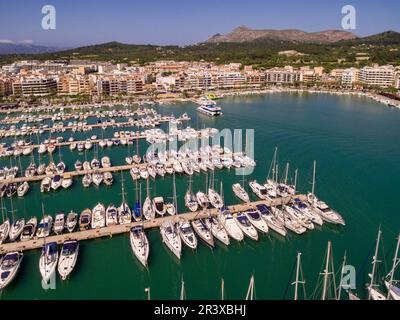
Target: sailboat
239, 192
373, 292
321, 207
250, 290
393, 290
5, 226
186, 233
68, 258
48, 261
230, 225
124, 212
140, 244
328, 272
217, 230
214, 197
245, 225
190, 199
272, 221
45, 225
98, 216
299, 273
9, 267
16, 227
29, 229
148, 208
111, 215
203, 232
171, 237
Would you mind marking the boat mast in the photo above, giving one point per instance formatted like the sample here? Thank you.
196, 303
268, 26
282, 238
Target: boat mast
147, 290
250, 290
286, 173
297, 282
174, 194
2, 210
396, 261
272, 166
12, 210
122, 187
221, 191
313, 179
222, 289
326, 271
295, 180
341, 276
183, 293
374, 261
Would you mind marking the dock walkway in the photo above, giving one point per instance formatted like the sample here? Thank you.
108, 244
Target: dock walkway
36, 243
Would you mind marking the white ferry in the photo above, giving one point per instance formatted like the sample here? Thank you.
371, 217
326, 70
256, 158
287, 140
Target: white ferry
210, 110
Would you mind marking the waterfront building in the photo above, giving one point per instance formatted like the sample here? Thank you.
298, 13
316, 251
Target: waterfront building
382, 76
350, 76
282, 75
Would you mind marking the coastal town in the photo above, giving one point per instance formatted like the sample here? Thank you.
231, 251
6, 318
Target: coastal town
92, 81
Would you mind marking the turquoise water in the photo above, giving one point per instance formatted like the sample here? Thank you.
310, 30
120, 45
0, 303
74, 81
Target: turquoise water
355, 143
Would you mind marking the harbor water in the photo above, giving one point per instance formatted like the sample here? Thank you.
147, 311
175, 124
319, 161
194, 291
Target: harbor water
355, 143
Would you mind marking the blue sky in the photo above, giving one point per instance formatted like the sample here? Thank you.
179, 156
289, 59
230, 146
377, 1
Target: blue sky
181, 22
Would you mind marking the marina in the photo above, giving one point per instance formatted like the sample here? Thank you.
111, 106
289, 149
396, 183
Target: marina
117, 241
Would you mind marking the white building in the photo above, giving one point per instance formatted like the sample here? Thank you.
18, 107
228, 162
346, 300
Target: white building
382, 76
282, 75
350, 76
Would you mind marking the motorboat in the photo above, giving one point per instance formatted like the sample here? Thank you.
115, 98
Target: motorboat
191, 201
186, 233
48, 261
4, 231
159, 206
230, 225
307, 211
272, 222
259, 190
293, 225
56, 182
85, 219
217, 230
139, 244
71, 221
111, 215
171, 238
97, 178
9, 266
297, 215
23, 189
105, 162
256, 220
66, 183
108, 178
78, 165
98, 216
239, 192
59, 223
68, 257
45, 185
245, 225
170, 209
324, 211
44, 227
203, 232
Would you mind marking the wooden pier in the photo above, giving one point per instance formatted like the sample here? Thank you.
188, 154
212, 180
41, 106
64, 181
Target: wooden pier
36, 243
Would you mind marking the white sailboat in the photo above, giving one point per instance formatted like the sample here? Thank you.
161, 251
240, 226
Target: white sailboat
5, 226
393, 290
9, 266
203, 232
29, 229
124, 212
256, 220
140, 244
217, 230
190, 199
148, 208
245, 225
373, 292
187, 234
111, 215
239, 192
98, 216
231, 226
171, 237
272, 221
48, 261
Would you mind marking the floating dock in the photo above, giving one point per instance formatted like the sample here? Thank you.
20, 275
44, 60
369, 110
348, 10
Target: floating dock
36, 243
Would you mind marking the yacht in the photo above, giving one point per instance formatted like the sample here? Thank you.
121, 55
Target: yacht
4, 231
139, 244
203, 232
210, 110
239, 192
324, 211
60, 168
307, 211
215, 199
45, 185
186, 233
217, 230
245, 225
159, 206
148, 209
170, 209
259, 190
23, 189
59, 223
98, 216
171, 238
86, 166
272, 222
78, 165
108, 178
202, 199
105, 162
297, 215
231, 226
48, 261
16, 229
66, 183
44, 227
137, 211
124, 213
97, 178
256, 220
56, 182
71, 221
293, 225
85, 219
111, 215
68, 257
9, 266
87, 180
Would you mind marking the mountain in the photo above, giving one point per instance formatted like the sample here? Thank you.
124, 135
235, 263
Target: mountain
19, 48
244, 34
384, 38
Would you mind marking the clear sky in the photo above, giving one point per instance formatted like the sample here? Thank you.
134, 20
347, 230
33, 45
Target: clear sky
181, 22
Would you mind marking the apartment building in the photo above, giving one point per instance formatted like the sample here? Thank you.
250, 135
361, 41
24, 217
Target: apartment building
5, 87
34, 86
382, 76
350, 76
228, 80
282, 75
